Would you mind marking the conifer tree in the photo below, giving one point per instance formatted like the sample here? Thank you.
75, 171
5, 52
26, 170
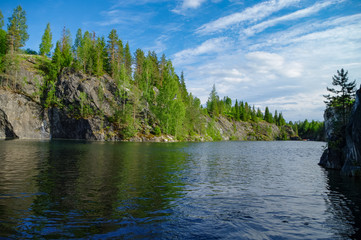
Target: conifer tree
57, 56
77, 42
342, 100
112, 47
100, 50
212, 103
139, 63
3, 42
46, 45
268, 116
237, 115
17, 30
1, 20
67, 56
183, 87
128, 60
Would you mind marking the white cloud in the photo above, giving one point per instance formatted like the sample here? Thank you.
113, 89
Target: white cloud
188, 4
287, 70
292, 16
272, 65
118, 17
251, 14
192, 3
210, 46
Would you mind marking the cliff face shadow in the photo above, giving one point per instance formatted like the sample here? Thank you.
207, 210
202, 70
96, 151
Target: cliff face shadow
64, 127
344, 203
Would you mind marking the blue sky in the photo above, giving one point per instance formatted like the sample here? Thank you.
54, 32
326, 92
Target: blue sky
276, 53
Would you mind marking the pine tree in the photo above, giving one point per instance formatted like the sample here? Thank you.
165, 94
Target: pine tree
77, 42
128, 60
139, 63
237, 114
212, 103
3, 42
57, 56
46, 44
100, 51
343, 99
1, 20
268, 116
66, 53
112, 52
183, 87
17, 30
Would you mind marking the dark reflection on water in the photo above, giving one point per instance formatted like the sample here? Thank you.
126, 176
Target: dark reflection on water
224, 190
344, 202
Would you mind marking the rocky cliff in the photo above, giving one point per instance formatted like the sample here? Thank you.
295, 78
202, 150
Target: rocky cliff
89, 107
344, 150
352, 166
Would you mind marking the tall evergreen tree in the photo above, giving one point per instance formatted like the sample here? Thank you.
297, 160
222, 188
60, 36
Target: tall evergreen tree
1, 20
101, 54
212, 103
67, 56
128, 60
3, 42
183, 87
268, 116
113, 41
17, 29
341, 100
139, 63
46, 45
77, 42
57, 56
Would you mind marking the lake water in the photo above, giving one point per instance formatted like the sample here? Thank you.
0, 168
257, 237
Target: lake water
217, 190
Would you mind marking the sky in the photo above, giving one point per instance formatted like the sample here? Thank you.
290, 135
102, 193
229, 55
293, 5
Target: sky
276, 53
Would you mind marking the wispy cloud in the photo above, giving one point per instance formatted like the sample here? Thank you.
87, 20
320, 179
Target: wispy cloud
208, 47
251, 14
188, 4
289, 17
117, 17
287, 69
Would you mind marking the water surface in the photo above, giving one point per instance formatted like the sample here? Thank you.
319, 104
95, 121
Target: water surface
219, 190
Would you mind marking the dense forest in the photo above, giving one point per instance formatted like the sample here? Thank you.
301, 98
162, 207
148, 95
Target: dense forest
147, 88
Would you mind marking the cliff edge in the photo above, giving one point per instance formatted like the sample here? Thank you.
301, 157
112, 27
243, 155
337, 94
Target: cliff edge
344, 150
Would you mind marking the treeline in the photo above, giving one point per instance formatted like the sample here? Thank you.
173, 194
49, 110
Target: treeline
240, 111
314, 130
147, 88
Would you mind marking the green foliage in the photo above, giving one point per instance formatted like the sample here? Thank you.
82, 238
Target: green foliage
212, 103
57, 57
145, 87
127, 60
30, 51
170, 109
3, 43
213, 132
157, 131
66, 53
1, 20
17, 29
309, 130
341, 100
46, 45
113, 53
